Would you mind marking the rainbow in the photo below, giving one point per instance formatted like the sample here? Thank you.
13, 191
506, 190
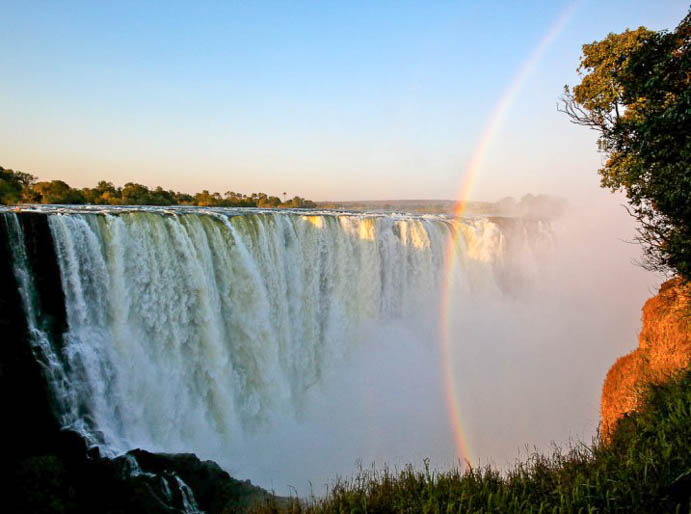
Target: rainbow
475, 163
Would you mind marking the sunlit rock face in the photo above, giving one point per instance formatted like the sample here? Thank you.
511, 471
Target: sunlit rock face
182, 329
664, 347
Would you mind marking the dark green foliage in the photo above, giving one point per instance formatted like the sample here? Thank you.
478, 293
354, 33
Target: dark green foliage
13, 185
645, 468
636, 92
17, 187
56, 192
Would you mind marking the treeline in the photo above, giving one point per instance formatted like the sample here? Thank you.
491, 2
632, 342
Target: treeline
17, 187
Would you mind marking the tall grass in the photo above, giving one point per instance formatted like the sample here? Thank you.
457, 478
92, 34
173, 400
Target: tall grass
646, 467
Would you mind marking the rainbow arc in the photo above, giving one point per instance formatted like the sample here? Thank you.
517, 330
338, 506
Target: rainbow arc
474, 166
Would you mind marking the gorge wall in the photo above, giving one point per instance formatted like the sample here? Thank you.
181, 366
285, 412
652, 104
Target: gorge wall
664, 347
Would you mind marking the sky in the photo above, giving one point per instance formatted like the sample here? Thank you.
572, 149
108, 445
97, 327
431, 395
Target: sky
325, 100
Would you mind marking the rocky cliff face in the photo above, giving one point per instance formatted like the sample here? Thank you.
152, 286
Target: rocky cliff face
664, 347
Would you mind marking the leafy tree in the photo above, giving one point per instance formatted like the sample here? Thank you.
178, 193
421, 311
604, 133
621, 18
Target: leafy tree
14, 185
268, 201
636, 92
135, 194
204, 198
57, 192
160, 196
10, 190
105, 193
298, 203
184, 199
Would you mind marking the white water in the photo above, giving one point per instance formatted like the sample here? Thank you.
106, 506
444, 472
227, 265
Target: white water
208, 331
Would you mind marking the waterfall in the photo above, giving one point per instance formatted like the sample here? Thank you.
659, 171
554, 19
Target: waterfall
45, 350
189, 327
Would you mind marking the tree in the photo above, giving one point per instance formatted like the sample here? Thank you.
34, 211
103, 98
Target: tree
160, 196
269, 201
14, 186
135, 194
636, 92
205, 199
57, 192
105, 193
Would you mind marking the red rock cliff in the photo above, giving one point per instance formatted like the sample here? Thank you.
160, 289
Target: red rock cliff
664, 347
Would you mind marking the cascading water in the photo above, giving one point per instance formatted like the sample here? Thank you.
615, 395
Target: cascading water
188, 328
43, 349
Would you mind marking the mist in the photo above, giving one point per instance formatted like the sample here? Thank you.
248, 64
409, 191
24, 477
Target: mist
320, 346
528, 363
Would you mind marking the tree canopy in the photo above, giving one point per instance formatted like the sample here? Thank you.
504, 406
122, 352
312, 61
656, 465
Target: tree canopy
635, 91
17, 187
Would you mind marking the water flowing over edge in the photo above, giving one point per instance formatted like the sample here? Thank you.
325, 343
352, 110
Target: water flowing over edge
189, 328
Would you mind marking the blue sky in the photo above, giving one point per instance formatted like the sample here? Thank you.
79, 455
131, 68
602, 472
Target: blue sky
328, 100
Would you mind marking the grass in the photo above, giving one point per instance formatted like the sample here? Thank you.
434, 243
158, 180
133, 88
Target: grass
646, 467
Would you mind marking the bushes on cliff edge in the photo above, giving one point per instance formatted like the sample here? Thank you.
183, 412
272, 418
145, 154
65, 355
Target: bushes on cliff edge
645, 468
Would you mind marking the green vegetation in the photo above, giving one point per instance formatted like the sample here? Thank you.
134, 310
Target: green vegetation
17, 187
636, 92
645, 468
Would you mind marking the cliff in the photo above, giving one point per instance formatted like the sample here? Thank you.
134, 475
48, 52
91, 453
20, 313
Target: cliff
664, 347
